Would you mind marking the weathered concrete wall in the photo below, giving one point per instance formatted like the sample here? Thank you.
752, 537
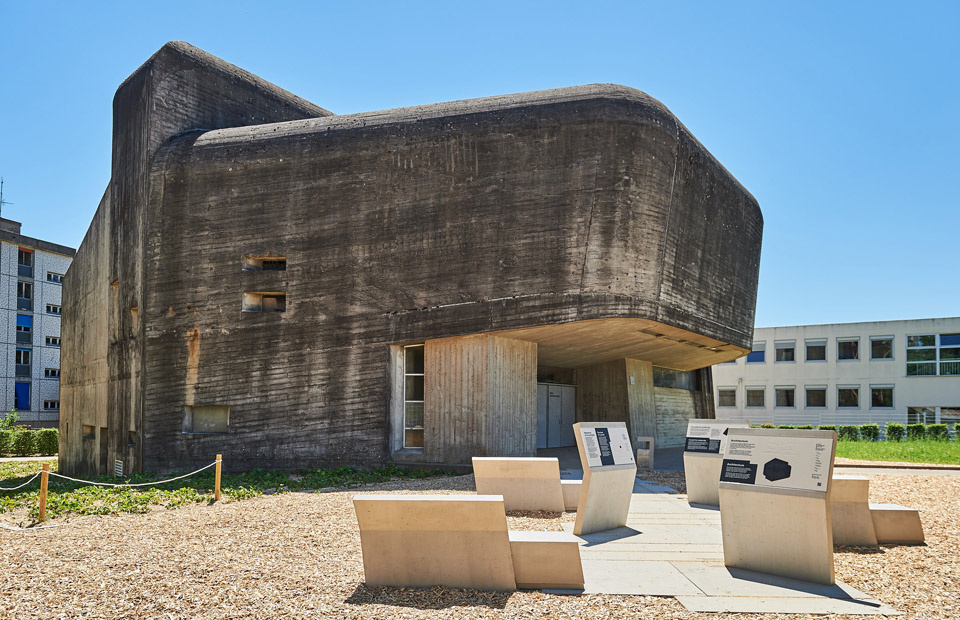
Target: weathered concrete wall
398, 227
674, 409
83, 352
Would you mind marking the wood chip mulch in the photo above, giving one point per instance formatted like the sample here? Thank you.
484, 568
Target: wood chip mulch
297, 555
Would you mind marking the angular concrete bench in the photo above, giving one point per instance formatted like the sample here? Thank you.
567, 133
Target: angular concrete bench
856, 521
524, 483
897, 524
460, 541
571, 493
850, 511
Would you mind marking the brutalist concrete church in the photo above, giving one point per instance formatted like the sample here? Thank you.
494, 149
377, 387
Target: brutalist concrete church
294, 288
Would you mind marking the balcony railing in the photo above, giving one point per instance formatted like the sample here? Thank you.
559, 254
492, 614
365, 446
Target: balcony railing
24, 338
25, 270
23, 370
24, 303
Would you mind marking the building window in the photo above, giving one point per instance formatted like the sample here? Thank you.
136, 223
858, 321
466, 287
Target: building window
848, 349
52, 309
264, 263
881, 397
51, 404
413, 375
264, 302
950, 354
848, 396
25, 263
676, 379
53, 341
22, 357
24, 329
816, 396
51, 373
758, 354
785, 396
816, 350
755, 397
727, 397
56, 278
24, 296
22, 396
950, 415
785, 351
921, 415
881, 347
206, 419
922, 355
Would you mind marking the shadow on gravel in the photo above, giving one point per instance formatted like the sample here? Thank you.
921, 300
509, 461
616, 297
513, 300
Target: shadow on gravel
427, 598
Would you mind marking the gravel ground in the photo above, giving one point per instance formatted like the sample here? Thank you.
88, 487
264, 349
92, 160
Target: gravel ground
297, 555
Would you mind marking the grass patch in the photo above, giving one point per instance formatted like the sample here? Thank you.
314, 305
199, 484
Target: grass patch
909, 451
71, 498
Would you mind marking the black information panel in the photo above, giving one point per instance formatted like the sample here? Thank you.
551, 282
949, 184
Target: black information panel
743, 472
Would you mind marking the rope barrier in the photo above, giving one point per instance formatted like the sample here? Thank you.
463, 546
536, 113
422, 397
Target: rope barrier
139, 484
22, 485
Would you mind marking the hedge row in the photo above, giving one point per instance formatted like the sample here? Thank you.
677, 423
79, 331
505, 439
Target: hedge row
894, 431
26, 442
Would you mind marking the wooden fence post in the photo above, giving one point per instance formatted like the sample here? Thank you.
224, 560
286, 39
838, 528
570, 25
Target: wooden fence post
44, 477
216, 484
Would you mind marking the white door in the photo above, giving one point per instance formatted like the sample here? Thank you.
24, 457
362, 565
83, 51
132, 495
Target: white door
554, 417
568, 396
541, 416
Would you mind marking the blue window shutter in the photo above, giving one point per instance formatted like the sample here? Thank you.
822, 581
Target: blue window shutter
23, 396
24, 320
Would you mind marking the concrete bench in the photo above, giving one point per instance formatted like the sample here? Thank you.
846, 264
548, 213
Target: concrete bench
524, 483
645, 453
571, 493
850, 511
897, 524
856, 521
459, 541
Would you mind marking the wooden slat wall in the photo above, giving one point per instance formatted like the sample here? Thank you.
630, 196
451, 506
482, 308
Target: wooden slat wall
602, 394
643, 406
512, 398
480, 398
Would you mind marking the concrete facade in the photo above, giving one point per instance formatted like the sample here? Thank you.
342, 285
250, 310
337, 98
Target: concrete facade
904, 371
31, 272
292, 288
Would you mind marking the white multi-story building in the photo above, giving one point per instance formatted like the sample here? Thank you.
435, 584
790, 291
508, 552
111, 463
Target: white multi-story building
847, 373
31, 275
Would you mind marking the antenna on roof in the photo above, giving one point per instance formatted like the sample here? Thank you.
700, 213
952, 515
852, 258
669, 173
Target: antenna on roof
2, 201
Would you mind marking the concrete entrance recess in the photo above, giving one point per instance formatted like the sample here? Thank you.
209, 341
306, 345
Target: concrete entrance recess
669, 548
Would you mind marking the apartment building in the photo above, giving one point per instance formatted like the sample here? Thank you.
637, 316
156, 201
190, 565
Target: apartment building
846, 373
30, 289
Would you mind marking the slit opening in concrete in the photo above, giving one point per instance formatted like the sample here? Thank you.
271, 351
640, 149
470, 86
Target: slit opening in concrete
206, 419
264, 263
88, 431
131, 438
264, 302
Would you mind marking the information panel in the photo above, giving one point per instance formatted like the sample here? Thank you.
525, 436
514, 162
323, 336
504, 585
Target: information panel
798, 463
607, 445
709, 436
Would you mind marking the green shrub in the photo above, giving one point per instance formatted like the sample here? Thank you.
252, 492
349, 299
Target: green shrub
48, 440
870, 432
786, 426
9, 421
827, 427
24, 443
916, 431
6, 442
806, 427
850, 432
937, 431
767, 425
895, 431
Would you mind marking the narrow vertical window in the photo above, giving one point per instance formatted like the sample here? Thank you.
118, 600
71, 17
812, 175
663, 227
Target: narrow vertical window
413, 367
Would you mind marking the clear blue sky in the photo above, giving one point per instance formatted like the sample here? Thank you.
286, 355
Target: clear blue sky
842, 118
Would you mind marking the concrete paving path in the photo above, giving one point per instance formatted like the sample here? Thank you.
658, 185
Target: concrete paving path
670, 548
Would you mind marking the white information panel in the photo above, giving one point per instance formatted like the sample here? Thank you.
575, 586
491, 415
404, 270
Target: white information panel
607, 445
798, 463
709, 436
